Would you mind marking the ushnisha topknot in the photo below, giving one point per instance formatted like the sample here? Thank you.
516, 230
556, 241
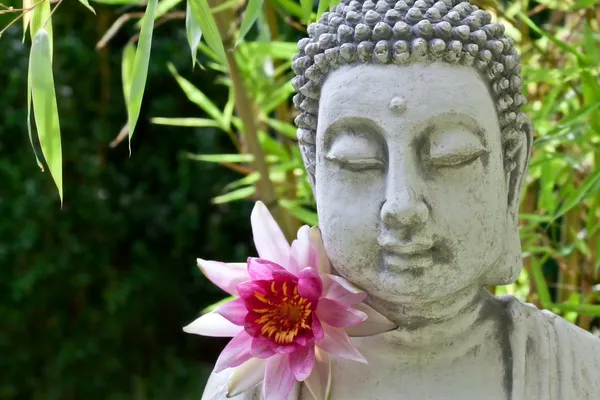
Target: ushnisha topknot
404, 32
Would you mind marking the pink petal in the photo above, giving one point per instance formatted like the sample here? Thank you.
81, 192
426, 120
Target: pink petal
246, 376
317, 328
324, 263
337, 343
339, 289
304, 253
310, 285
225, 276
261, 348
283, 348
260, 269
302, 361
284, 276
212, 324
235, 353
269, 240
234, 311
248, 289
319, 381
373, 325
337, 314
279, 379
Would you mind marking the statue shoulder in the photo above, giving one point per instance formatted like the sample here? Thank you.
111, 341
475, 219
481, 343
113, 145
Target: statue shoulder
569, 355
216, 388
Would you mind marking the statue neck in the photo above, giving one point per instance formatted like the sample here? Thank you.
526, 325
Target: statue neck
450, 322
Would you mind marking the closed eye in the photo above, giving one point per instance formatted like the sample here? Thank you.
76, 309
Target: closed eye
358, 163
458, 157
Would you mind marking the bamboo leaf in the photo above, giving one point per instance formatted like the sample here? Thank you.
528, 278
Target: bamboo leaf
193, 32
216, 305
323, 6
540, 281
196, 96
583, 190
41, 17
250, 179
208, 25
559, 43
228, 110
87, 5
222, 158
307, 6
250, 16
44, 106
127, 70
186, 122
27, 4
238, 194
284, 128
298, 211
276, 97
140, 68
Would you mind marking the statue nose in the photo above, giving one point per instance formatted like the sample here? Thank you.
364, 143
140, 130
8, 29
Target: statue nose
404, 208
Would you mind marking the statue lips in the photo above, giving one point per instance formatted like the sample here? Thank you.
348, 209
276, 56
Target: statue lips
408, 256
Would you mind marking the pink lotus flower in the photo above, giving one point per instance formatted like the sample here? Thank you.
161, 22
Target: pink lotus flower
289, 316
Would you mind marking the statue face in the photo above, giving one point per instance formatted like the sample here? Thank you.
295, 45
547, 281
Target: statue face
410, 183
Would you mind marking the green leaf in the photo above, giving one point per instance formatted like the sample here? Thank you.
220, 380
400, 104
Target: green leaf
584, 4
37, 159
114, 2
193, 32
250, 16
581, 192
323, 6
284, 128
250, 179
238, 194
562, 45
277, 49
41, 17
276, 97
222, 158
196, 96
307, 6
583, 309
186, 122
44, 105
85, 3
140, 68
304, 215
165, 6
290, 7
27, 4
208, 25
228, 110
540, 281
127, 70
216, 305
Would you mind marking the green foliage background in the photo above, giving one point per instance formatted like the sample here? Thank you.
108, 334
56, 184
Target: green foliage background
93, 296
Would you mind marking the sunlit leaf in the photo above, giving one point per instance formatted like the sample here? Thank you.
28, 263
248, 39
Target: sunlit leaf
216, 305
27, 4
278, 96
196, 96
584, 4
284, 128
323, 6
228, 110
208, 25
291, 7
562, 45
44, 106
300, 212
165, 6
140, 68
187, 122
250, 179
275, 49
222, 158
86, 4
193, 32
127, 62
307, 6
238, 194
584, 189
40, 17
250, 15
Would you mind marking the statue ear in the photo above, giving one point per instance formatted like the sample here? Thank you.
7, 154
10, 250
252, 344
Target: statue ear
508, 267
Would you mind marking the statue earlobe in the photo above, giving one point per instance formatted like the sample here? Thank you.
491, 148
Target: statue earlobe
508, 267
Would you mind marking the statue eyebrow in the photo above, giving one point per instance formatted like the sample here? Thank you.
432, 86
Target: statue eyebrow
453, 118
352, 126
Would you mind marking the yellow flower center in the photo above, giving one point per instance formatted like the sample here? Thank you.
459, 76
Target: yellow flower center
285, 314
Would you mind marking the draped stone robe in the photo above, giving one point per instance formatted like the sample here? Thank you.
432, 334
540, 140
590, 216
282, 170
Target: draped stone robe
552, 359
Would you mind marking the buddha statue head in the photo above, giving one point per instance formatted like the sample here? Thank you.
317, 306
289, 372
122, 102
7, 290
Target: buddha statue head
412, 135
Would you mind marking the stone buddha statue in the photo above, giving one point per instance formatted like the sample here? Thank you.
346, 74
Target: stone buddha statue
417, 150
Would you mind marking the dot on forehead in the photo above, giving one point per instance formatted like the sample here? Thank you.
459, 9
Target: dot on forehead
397, 105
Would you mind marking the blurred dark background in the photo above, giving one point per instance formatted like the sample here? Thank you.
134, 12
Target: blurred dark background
93, 296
